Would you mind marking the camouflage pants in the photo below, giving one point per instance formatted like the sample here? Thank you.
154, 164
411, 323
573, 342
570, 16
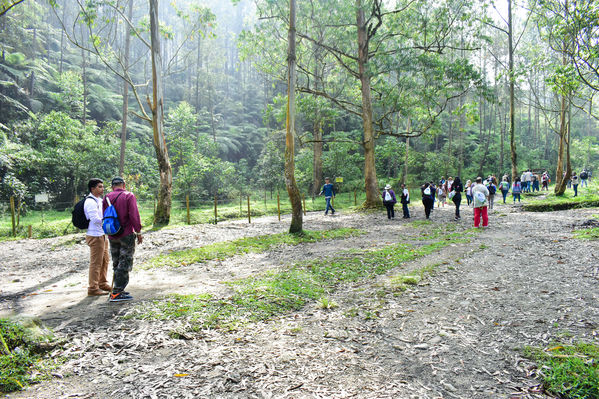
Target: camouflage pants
122, 251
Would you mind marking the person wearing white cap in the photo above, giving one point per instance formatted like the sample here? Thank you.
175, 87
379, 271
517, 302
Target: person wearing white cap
389, 201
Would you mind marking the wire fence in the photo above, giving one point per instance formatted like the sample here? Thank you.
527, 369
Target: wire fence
24, 219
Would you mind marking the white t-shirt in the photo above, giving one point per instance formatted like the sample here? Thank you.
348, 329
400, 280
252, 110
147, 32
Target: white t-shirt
480, 188
93, 212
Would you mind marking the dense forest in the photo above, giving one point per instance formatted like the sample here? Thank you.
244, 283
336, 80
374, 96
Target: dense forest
189, 98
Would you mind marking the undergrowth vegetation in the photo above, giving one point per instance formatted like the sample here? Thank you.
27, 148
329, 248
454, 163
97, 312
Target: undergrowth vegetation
21, 356
569, 371
259, 244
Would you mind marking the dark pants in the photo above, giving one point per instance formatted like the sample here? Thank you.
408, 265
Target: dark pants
457, 201
406, 210
428, 206
516, 195
469, 199
575, 187
329, 206
122, 251
390, 210
504, 193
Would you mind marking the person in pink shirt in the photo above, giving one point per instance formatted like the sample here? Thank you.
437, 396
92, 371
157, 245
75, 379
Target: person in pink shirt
122, 244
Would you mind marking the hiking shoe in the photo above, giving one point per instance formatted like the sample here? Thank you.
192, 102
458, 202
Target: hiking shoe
120, 297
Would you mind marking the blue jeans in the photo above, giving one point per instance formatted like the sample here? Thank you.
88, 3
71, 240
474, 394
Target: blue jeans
583, 183
516, 195
575, 186
504, 193
328, 199
406, 211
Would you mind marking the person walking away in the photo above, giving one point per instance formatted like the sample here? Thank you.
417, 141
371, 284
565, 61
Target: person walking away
389, 201
428, 198
529, 180
481, 195
329, 193
504, 186
575, 182
405, 200
457, 188
442, 195
122, 244
583, 178
469, 192
523, 181
492, 190
535, 182
545, 181
96, 240
516, 189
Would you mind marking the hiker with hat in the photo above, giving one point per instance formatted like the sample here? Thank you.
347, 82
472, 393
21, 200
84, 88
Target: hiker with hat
389, 201
122, 242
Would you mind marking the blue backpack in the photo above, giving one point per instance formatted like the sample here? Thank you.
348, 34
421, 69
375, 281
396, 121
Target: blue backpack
110, 223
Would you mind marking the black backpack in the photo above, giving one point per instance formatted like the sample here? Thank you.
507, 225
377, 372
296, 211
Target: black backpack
78, 215
492, 189
584, 175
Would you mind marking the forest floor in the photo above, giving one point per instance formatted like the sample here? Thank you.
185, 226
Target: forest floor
458, 333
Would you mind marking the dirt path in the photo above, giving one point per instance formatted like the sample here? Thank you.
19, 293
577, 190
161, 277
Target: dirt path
523, 281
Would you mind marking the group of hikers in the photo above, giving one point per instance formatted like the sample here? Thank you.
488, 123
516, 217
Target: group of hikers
480, 193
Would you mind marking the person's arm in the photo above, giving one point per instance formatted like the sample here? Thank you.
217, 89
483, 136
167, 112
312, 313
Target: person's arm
134, 217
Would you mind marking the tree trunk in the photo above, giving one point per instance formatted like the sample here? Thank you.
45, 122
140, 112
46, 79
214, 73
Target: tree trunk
292, 190
125, 94
405, 171
560, 178
163, 208
373, 199
514, 155
317, 161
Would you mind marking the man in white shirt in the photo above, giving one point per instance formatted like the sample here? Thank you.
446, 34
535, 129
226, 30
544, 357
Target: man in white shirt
95, 238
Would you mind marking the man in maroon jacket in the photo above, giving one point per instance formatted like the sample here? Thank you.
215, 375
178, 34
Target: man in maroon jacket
122, 245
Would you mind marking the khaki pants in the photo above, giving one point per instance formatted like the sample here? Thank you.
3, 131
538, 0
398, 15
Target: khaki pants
98, 262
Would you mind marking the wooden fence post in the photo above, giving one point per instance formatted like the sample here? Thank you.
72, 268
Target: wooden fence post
187, 206
355, 198
30, 232
215, 210
279, 206
304, 203
12, 212
249, 211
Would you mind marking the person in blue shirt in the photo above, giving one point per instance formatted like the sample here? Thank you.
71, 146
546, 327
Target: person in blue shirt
329, 192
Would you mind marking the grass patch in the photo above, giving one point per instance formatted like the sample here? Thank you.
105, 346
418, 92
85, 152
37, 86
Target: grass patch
569, 371
587, 198
21, 356
259, 244
262, 297
587, 234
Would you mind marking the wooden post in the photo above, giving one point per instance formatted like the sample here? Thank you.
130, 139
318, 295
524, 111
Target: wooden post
355, 198
215, 210
304, 203
249, 211
12, 212
187, 205
30, 232
279, 206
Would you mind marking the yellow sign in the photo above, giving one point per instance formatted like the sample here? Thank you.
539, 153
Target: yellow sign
339, 180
